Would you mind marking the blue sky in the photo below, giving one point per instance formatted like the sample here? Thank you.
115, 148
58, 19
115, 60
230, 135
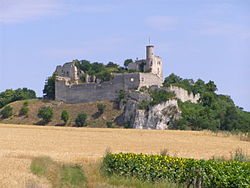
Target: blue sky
207, 39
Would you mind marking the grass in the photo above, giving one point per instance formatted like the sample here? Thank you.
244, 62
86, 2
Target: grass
132, 182
237, 155
59, 175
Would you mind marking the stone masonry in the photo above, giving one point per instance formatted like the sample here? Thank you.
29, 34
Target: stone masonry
68, 89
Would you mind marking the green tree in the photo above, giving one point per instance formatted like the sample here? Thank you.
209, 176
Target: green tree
211, 86
101, 108
160, 96
171, 79
199, 86
112, 65
24, 109
65, 116
84, 65
126, 62
49, 88
81, 120
7, 112
10, 95
109, 124
46, 113
104, 76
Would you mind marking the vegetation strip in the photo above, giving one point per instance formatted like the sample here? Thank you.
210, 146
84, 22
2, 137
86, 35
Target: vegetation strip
59, 175
157, 168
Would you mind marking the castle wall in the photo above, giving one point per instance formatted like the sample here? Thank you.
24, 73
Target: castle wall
133, 66
106, 91
183, 94
149, 79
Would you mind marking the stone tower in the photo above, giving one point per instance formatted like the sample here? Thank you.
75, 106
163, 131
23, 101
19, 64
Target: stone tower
153, 63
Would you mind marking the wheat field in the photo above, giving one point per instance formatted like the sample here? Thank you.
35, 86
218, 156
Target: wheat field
19, 143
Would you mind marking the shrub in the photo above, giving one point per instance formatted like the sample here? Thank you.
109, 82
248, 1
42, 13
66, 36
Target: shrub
109, 124
160, 96
81, 120
25, 109
46, 113
101, 108
143, 105
7, 112
65, 116
122, 94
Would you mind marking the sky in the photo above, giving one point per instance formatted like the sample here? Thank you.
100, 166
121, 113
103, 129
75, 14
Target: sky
208, 39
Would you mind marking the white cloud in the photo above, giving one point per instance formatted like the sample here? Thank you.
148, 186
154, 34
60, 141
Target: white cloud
18, 11
161, 23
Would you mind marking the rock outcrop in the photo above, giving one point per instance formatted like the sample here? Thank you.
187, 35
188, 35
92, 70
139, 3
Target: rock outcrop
152, 117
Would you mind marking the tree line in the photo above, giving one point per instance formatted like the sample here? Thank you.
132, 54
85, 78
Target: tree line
213, 111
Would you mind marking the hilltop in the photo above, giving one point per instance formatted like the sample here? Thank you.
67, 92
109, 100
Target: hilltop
90, 109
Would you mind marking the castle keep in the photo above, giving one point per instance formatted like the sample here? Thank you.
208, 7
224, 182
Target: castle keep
69, 89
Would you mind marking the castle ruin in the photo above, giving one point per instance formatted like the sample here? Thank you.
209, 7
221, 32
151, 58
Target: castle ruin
69, 89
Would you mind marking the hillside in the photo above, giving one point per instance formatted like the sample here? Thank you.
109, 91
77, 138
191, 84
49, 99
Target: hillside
90, 109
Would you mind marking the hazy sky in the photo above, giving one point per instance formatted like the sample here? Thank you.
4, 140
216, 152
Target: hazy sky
208, 39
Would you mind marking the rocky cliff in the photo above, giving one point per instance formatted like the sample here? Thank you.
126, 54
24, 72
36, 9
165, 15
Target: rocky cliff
158, 116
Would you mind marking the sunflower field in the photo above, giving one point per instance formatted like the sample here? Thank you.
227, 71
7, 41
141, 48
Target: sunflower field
156, 168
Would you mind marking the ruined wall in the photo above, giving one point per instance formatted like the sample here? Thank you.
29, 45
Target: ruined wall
106, 91
149, 79
183, 94
68, 70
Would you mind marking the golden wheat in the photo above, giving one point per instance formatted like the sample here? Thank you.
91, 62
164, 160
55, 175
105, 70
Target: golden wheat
67, 144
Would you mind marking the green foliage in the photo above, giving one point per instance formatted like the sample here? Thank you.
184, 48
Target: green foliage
72, 175
112, 65
49, 88
136, 183
65, 116
239, 156
39, 165
6, 112
101, 108
104, 76
84, 65
24, 109
143, 105
10, 95
81, 120
127, 61
59, 175
46, 113
160, 96
214, 112
122, 94
157, 168
109, 124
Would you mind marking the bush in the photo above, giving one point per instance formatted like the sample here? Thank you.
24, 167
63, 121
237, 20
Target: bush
160, 96
81, 120
24, 110
46, 113
109, 124
143, 105
65, 116
7, 112
101, 108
